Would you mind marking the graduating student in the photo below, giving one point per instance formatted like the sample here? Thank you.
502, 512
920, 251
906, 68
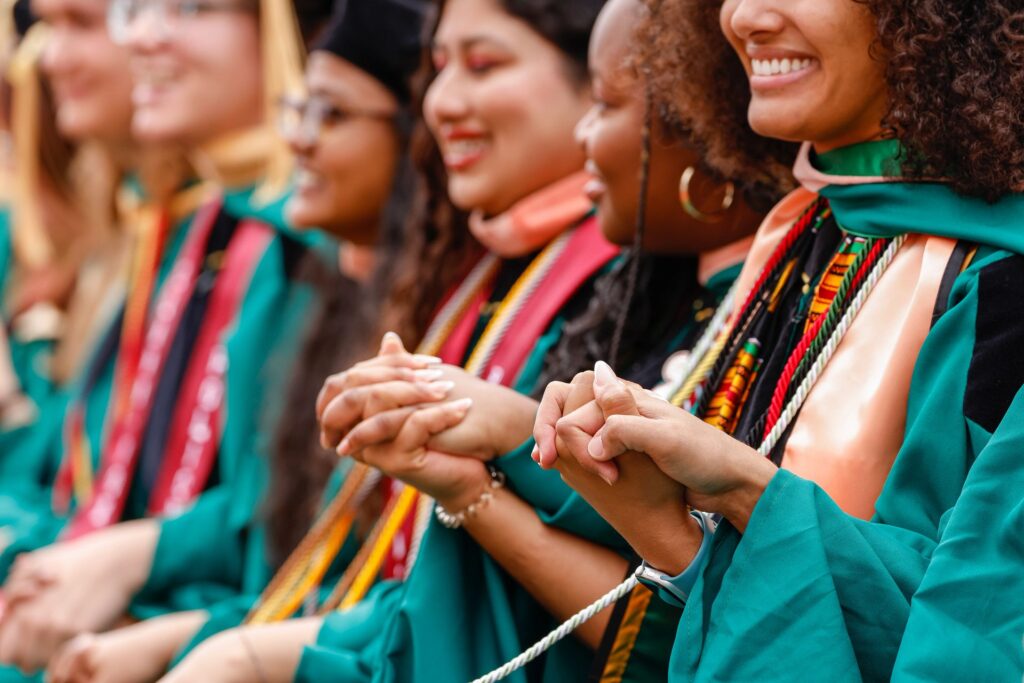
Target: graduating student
198, 350
503, 105
907, 226
75, 210
350, 137
507, 540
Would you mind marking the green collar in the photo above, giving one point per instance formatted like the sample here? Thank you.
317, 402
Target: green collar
878, 158
871, 202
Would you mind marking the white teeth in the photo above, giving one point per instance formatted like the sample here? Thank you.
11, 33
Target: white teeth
777, 67
464, 146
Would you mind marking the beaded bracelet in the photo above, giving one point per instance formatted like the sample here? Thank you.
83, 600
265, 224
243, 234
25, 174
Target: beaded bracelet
456, 520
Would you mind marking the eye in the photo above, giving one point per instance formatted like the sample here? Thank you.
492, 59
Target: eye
480, 65
189, 8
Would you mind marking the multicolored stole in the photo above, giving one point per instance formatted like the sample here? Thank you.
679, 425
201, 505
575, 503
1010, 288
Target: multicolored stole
536, 298
191, 452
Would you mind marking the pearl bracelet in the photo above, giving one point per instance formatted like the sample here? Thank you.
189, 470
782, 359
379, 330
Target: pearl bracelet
456, 520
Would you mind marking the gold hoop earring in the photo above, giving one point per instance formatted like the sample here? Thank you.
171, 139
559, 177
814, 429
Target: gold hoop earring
687, 201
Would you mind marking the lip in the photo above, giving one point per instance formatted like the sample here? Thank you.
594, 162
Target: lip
463, 148
595, 188
307, 181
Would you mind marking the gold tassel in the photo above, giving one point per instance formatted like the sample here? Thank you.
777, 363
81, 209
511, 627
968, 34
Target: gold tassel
31, 244
282, 56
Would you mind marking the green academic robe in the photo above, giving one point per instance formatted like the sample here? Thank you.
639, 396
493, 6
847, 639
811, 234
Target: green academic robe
459, 614
207, 556
811, 593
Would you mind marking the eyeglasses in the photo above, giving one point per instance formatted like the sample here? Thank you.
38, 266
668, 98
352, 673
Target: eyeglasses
165, 15
306, 120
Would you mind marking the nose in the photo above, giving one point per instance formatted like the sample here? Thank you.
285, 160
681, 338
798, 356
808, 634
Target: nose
748, 18
300, 142
145, 30
446, 99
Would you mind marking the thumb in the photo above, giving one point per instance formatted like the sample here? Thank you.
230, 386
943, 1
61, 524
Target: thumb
611, 393
391, 345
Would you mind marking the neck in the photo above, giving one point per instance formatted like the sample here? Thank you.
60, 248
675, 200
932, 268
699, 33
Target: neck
716, 260
357, 261
237, 159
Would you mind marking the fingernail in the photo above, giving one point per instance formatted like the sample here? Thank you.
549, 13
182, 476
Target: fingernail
427, 360
392, 336
442, 388
428, 375
603, 374
462, 405
596, 448
535, 455
606, 479
344, 446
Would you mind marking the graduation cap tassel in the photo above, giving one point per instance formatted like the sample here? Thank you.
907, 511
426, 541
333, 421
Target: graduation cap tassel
282, 58
31, 243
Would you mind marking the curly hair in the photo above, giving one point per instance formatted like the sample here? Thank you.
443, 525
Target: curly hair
955, 72
700, 90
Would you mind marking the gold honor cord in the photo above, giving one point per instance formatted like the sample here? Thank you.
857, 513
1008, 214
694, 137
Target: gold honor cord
366, 565
298, 576
307, 564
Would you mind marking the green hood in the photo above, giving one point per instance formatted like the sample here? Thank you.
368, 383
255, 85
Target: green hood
869, 199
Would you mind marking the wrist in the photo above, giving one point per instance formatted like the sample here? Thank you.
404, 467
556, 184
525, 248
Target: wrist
473, 485
515, 426
669, 540
738, 504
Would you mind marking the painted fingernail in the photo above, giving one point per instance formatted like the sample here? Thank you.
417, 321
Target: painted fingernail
535, 455
596, 448
462, 405
442, 388
606, 479
603, 374
428, 375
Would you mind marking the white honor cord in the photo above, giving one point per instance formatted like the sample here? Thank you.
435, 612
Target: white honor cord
543, 645
770, 441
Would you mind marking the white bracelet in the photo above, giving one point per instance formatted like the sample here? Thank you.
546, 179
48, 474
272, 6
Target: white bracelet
456, 520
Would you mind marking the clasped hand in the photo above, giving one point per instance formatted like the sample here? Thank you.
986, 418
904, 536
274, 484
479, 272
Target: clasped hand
625, 435
428, 424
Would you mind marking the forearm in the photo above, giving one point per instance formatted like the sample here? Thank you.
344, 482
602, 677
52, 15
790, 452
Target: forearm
563, 572
277, 648
171, 632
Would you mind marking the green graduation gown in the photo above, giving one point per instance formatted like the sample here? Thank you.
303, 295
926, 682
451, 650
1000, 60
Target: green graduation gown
811, 593
205, 555
459, 614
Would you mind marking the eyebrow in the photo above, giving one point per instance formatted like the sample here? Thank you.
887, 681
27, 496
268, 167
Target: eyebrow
470, 42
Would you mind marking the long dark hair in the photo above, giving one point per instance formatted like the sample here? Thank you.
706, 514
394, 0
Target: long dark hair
342, 332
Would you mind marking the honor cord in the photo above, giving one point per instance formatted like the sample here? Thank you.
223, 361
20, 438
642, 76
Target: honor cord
769, 443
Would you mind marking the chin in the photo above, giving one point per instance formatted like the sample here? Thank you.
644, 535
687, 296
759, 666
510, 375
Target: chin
468, 195
301, 216
152, 127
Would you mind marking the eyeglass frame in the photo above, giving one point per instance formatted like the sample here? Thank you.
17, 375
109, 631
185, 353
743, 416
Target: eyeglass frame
118, 24
327, 111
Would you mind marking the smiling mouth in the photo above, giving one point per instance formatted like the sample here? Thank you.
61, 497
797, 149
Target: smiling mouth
460, 154
780, 67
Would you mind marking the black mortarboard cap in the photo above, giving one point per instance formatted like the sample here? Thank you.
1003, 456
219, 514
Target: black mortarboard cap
23, 17
382, 37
